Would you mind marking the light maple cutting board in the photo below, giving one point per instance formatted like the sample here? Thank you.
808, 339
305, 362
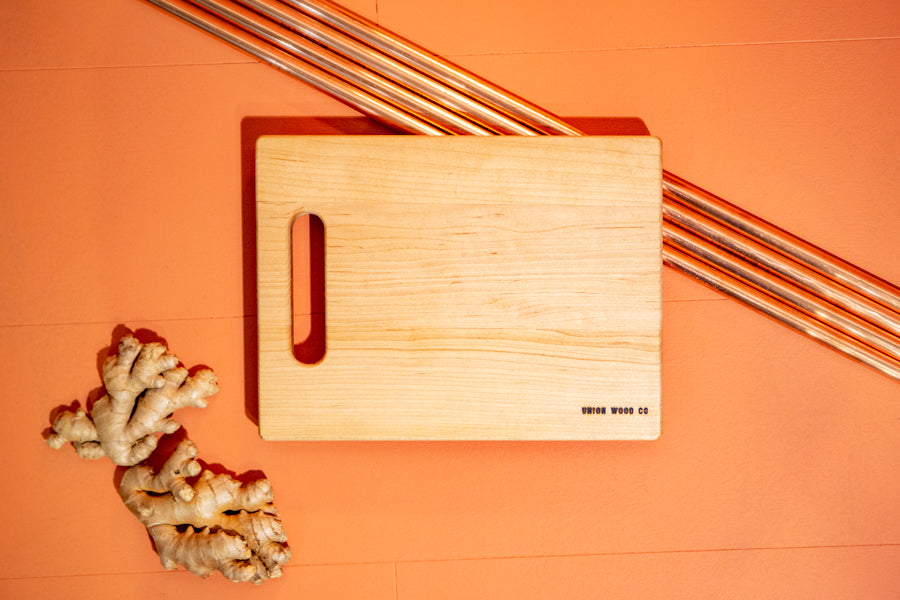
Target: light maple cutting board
476, 288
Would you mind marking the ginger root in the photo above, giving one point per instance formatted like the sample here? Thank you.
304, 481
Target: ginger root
216, 524
200, 520
144, 386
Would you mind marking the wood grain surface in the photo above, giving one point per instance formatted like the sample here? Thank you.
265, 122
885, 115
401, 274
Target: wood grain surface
504, 288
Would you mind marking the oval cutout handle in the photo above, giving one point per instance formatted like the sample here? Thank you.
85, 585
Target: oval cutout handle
308, 288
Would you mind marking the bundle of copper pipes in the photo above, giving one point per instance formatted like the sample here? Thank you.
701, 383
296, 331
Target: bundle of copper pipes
414, 91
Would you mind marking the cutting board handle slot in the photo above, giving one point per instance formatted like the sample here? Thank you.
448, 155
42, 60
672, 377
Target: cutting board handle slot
308, 288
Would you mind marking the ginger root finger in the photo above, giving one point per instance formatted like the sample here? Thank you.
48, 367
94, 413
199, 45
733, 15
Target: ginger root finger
144, 386
217, 523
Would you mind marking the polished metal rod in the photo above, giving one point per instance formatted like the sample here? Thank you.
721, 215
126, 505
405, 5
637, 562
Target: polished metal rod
761, 255
783, 242
783, 313
290, 42
407, 52
394, 70
331, 85
784, 291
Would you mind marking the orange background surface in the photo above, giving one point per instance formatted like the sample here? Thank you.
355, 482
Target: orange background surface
126, 188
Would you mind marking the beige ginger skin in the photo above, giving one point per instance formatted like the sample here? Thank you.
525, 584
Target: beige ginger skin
218, 523
144, 386
200, 520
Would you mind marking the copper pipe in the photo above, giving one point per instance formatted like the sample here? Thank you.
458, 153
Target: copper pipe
783, 313
429, 63
784, 292
387, 90
789, 245
760, 255
331, 85
391, 69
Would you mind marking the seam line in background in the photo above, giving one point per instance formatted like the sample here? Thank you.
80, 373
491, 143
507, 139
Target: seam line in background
485, 558
682, 46
134, 66
477, 54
